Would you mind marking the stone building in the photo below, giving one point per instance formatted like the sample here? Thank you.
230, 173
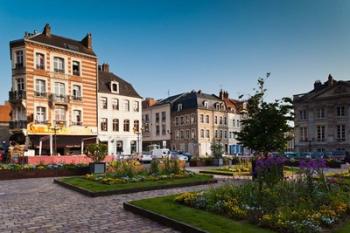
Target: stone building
53, 94
119, 114
322, 117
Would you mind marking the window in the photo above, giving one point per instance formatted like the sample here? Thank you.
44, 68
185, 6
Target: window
133, 146
225, 121
126, 105
341, 133
234, 123
303, 115
103, 102
20, 84
187, 120
136, 126
19, 59
115, 125
60, 91
76, 117
115, 87
76, 92
207, 119
220, 134
320, 113
193, 134
163, 116
40, 116
238, 123
60, 115
163, 129
202, 133
202, 118
40, 61
136, 106
216, 119
216, 134
217, 106
157, 117
104, 124
177, 134
340, 111
76, 68
182, 120
40, 87
207, 134
192, 119
303, 134
182, 134
205, 104
176, 121
58, 64
179, 107
126, 126
220, 121
225, 134
321, 133
115, 104
187, 133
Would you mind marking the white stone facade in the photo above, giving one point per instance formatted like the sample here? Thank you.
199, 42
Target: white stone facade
121, 139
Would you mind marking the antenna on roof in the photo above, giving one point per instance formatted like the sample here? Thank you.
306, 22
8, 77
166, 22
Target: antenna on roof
168, 92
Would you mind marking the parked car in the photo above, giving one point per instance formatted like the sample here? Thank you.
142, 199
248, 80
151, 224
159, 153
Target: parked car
160, 153
145, 157
178, 157
187, 154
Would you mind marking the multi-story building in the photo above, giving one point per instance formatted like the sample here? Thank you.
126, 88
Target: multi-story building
322, 117
5, 117
199, 119
119, 114
53, 94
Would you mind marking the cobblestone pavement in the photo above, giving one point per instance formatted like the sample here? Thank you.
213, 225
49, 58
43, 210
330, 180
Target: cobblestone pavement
38, 205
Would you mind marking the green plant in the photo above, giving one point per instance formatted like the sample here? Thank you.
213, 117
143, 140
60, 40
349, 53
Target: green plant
154, 168
217, 150
97, 152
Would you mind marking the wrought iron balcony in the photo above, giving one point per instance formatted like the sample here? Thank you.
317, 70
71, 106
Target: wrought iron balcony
17, 96
40, 94
76, 98
19, 69
18, 124
77, 123
59, 99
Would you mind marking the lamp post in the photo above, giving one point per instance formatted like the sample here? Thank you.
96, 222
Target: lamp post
55, 128
138, 131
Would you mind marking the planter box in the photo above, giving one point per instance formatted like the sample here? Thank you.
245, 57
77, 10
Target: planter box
23, 174
98, 168
218, 162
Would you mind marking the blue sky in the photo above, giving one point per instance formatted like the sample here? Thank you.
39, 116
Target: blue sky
175, 46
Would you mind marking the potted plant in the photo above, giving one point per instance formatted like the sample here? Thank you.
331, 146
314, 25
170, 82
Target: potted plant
217, 150
97, 152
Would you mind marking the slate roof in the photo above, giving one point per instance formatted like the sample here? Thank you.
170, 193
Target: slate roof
55, 40
193, 100
125, 88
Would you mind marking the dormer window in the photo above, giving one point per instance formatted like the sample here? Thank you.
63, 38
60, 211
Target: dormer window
179, 107
115, 87
217, 106
205, 104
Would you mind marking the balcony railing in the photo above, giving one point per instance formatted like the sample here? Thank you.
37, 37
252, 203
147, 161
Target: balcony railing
40, 66
18, 124
59, 99
16, 96
19, 69
76, 98
40, 94
41, 122
77, 123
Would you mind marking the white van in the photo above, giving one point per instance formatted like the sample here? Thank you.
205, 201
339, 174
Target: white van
160, 153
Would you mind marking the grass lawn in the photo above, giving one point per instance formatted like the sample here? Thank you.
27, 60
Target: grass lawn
94, 186
201, 219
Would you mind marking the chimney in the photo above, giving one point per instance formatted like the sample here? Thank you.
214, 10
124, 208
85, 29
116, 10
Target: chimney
149, 102
221, 94
330, 80
87, 41
225, 95
47, 30
317, 84
199, 91
104, 67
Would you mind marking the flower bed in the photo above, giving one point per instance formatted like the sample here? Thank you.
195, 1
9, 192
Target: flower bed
309, 204
131, 176
21, 171
241, 169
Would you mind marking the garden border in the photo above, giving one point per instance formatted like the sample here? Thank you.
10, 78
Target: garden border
131, 190
27, 174
177, 225
217, 173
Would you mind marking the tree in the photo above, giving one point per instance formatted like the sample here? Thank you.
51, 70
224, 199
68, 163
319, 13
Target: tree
97, 152
266, 125
217, 150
